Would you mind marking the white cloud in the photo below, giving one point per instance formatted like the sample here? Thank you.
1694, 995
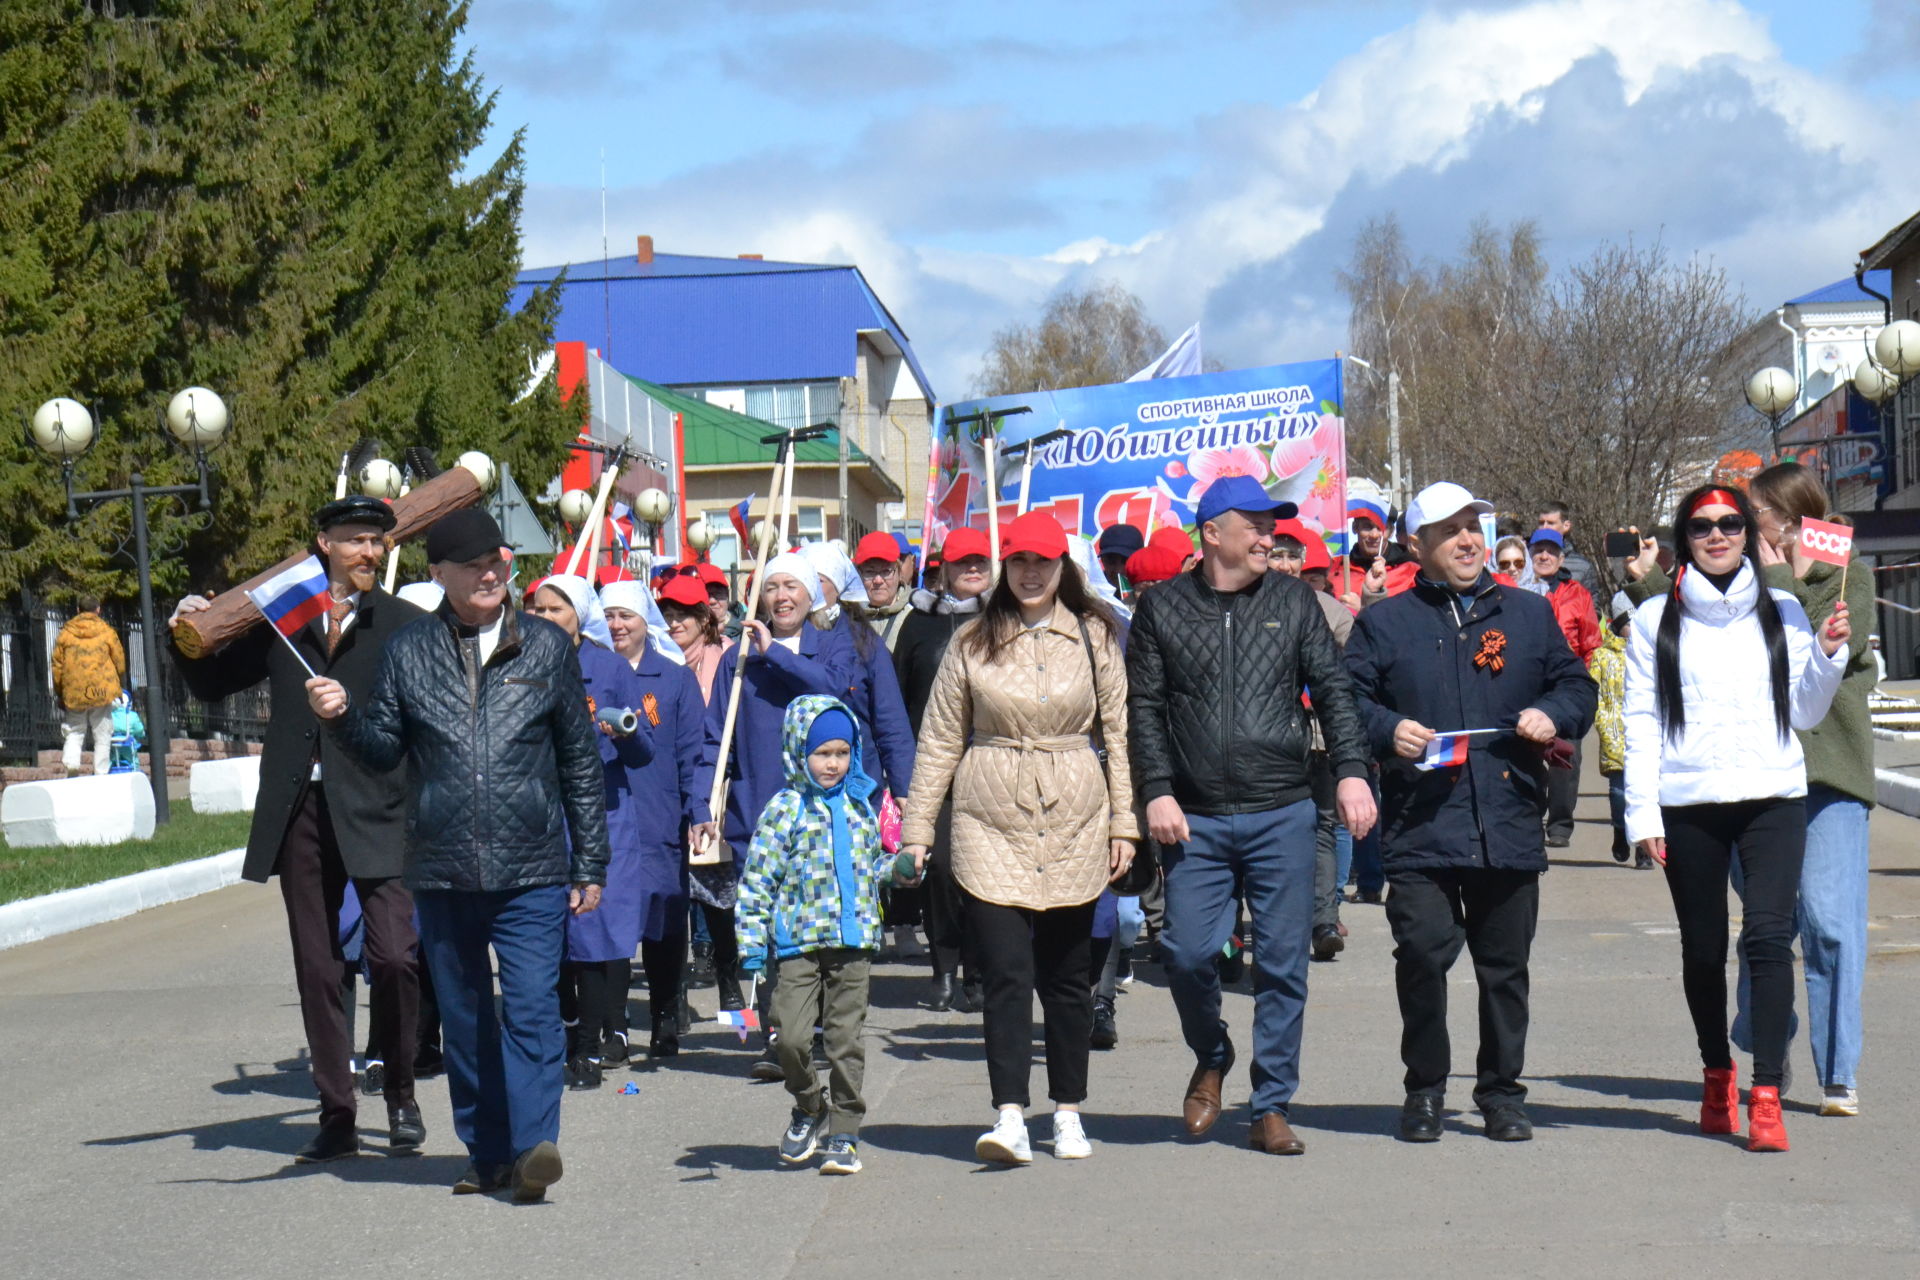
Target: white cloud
1581, 113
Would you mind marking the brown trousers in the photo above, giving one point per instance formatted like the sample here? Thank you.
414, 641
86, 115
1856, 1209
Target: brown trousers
313, 883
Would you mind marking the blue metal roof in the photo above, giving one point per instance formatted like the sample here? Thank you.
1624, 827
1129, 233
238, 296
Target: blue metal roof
687, 321
1846, 291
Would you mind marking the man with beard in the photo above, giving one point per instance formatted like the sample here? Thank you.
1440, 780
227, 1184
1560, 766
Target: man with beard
323, 818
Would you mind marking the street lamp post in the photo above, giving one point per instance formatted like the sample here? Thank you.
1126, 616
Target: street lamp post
1394, 468
197, 420
699, 537
651, 507
1772, 392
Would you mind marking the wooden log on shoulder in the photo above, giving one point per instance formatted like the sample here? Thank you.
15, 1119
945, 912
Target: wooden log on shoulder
231, 615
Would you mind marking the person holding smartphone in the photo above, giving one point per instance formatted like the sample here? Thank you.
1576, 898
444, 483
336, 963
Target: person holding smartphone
1720, 673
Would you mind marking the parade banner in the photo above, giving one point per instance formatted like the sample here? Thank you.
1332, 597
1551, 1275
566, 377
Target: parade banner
1142, 453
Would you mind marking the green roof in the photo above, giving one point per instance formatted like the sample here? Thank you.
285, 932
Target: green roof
718, 437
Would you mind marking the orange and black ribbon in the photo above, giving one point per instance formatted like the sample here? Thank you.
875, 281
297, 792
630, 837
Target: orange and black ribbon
1493, 645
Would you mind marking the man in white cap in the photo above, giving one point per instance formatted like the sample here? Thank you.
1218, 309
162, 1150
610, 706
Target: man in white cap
1463, 686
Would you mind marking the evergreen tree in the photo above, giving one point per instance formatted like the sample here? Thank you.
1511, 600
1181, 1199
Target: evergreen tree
271, 200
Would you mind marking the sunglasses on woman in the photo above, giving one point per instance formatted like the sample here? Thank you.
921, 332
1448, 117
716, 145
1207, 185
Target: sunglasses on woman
1700, 527
1512, 566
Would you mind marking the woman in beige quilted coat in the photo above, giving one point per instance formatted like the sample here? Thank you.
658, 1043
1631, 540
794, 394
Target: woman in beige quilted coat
1025, 698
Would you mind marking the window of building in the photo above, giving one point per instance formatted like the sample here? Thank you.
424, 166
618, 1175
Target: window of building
784, 404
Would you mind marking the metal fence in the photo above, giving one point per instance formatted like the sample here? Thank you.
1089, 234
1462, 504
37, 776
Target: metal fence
30, 719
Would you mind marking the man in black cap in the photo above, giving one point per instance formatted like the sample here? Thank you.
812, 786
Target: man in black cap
509, 833
323, 817
1115, 544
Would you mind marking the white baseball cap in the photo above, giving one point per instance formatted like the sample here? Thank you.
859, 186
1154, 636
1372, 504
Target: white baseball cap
1438, 501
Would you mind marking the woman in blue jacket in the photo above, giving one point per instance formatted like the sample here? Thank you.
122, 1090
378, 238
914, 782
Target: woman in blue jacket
784, 656
666, 804
600, 945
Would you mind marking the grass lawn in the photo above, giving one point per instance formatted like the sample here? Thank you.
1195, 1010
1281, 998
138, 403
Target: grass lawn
28, 873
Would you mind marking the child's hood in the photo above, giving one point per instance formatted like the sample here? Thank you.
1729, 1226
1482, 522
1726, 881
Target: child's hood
801, 713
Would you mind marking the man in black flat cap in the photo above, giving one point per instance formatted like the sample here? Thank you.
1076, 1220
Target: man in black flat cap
509, 834
323, 817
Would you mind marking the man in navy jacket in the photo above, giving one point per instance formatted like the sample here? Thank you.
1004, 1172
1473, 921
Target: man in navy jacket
1463, 843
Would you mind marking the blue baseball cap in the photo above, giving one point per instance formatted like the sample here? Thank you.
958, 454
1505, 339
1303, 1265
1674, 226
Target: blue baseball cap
1241, 493
906, 548
1539, 536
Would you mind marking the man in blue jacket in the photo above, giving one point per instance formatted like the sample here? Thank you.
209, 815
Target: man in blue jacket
507, 832
1463, 842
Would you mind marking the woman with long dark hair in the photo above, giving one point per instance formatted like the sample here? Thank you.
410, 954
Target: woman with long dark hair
1026, 698
1721, 671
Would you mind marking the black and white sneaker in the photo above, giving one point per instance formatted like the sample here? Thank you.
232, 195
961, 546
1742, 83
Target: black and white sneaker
842, 1155
802, 1137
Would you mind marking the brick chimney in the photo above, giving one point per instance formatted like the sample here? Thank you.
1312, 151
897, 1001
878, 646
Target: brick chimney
645, 255
753, 257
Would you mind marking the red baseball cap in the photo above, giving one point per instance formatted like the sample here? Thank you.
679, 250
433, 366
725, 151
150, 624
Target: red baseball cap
877, 546
1174, 540
1313, 548
962, 543
1152, 564
685, 589
712, 575
1036, 532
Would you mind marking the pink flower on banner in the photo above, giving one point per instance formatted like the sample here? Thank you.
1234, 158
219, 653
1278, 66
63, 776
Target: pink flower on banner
1290, 456
1209, 465
1176, 469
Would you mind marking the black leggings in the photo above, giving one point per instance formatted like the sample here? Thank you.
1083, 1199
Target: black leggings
593, 994
1771, 836
665, 965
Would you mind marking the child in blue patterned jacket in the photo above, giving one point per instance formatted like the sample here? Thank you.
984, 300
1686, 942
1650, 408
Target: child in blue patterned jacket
810, 893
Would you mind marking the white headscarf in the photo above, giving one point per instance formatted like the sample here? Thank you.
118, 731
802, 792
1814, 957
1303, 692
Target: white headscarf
801, 570
1084, 555
831, 563
586, 606
634, 597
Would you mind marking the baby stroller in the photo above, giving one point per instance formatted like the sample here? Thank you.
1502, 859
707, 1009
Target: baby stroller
129, 733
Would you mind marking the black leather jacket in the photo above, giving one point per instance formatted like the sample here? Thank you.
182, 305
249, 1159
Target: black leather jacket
1213, 695
505, 762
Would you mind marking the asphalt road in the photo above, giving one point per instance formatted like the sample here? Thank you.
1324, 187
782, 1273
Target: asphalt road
155, 1089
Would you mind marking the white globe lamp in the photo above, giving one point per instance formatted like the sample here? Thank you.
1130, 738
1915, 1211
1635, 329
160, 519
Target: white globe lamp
197, 418
62, 427
1898, 348
482, 468
1772, 391
1873, 382
380, 479
575, 506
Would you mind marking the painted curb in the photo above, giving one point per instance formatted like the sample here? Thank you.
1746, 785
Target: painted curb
1897, 791
33, 919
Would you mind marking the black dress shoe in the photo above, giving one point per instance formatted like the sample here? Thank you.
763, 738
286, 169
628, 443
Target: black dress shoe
1507, 1122
683, 1018
583, 1073
405, 1130
480, 1178
1420, 1118
1106, 1032
332, 1143
942, 998
968, 998
730, 996
613, 1049
373, 1081
663, 1046
767, 1065
1327, 942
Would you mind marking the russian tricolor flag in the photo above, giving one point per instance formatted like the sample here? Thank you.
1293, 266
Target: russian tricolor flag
1444, 752
739, 517
293, 598
741, 1020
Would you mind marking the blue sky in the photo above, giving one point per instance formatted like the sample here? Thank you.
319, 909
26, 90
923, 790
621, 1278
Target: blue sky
1214, 156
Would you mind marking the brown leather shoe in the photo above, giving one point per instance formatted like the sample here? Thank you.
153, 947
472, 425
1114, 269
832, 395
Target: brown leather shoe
1272, 1134
1202, 1105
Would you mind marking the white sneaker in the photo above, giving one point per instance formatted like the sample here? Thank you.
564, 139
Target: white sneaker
1006, 1142
1069, 1139
1841, 1100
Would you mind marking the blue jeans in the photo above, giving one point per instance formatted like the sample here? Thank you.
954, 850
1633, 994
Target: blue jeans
1269, 856
504, 1069
1369, 872
1617, 812
1832, 924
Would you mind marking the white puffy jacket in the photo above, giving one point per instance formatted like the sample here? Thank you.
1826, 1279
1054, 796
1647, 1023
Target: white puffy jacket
1731, 748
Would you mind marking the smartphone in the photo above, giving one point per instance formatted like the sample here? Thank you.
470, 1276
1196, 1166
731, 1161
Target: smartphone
1622, 546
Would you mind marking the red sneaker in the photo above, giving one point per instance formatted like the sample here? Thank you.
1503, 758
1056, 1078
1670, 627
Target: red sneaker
1765, 1130
1720, 1105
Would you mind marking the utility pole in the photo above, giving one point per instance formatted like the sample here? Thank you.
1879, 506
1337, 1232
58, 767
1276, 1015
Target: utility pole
1396, 467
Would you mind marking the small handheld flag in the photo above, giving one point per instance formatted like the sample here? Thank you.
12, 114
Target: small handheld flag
1828, 543
741, 1020
738, 515
1445, 751
293, 598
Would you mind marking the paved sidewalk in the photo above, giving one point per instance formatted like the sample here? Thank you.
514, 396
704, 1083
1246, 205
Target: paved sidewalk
155, 1094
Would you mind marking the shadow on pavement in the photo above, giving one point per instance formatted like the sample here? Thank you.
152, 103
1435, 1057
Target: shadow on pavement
709, 1158
272, 1135
413, 1171
289, 1078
